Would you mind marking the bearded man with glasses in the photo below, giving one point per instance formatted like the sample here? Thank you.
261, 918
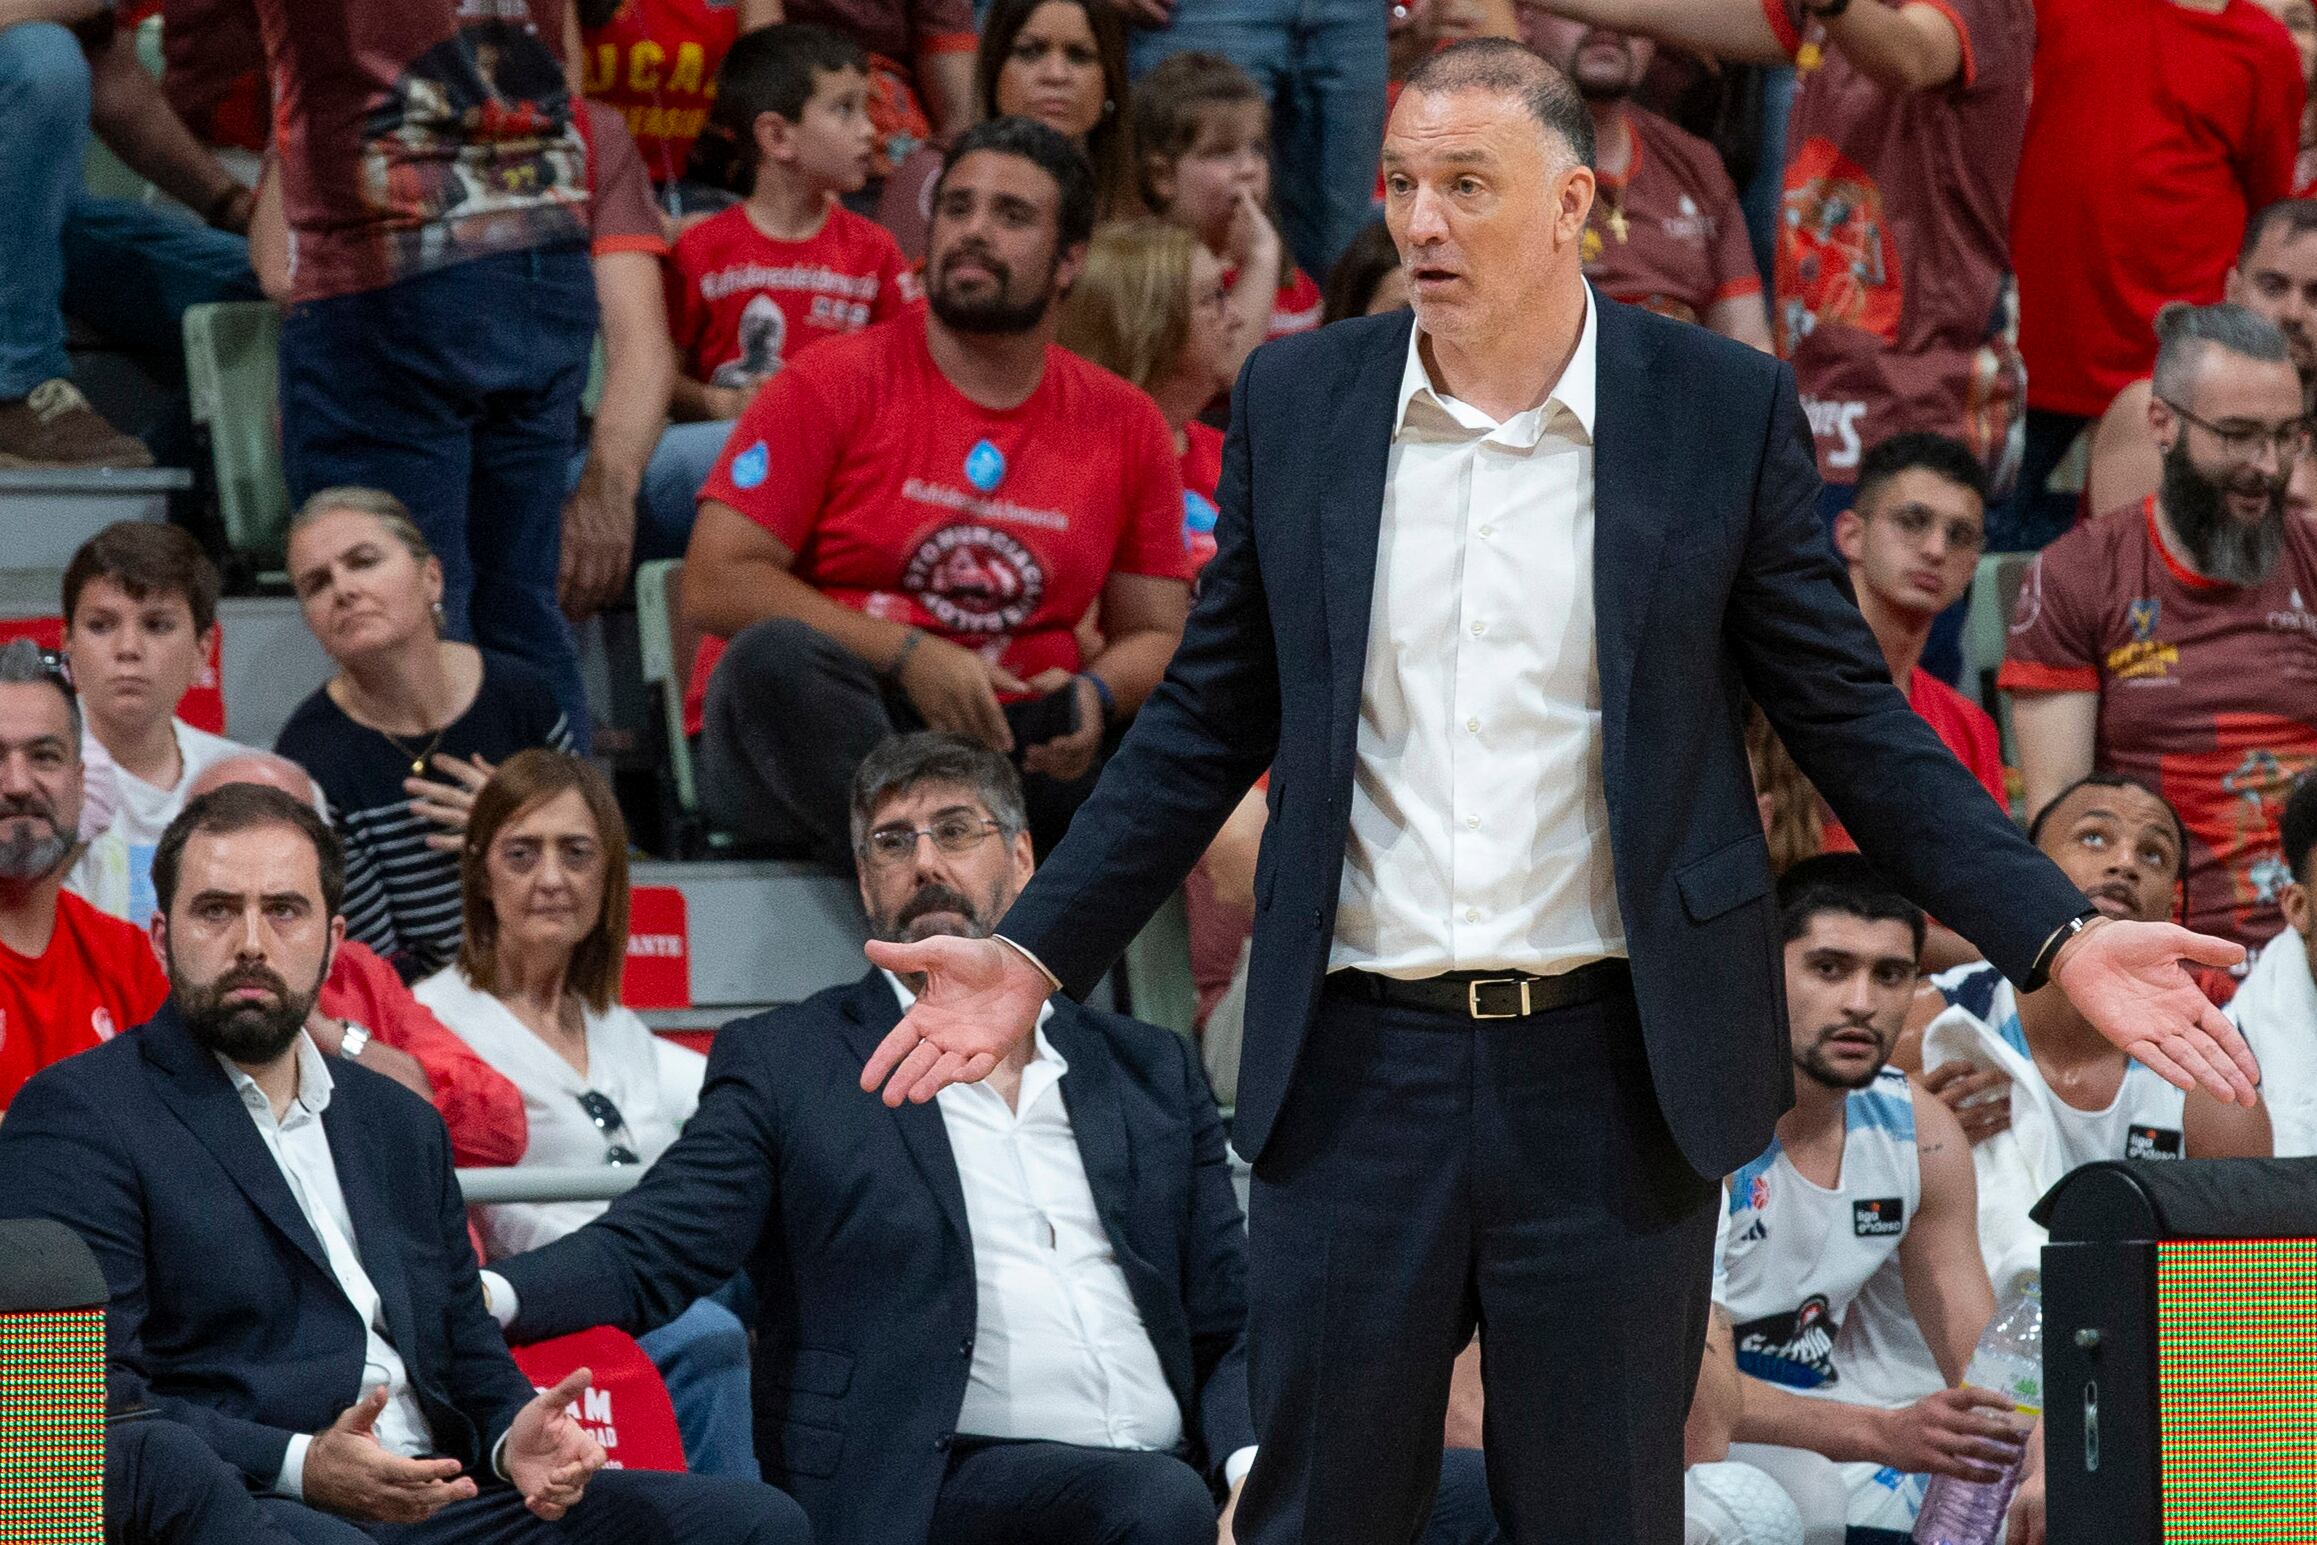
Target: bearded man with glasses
2174, 640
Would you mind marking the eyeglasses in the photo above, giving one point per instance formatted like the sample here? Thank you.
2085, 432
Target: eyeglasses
1914, 522
608, 1121
56, 666
2242, 443
889, 845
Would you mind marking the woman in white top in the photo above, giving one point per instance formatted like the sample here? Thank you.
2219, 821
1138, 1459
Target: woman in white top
543, 877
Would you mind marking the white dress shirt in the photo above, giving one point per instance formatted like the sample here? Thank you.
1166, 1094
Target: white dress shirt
1060, 1352
652, 1082
1479, 832
301, 1148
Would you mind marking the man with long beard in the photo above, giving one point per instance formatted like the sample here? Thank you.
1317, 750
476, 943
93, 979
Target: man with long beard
70, 977
2175, 643
286, 1248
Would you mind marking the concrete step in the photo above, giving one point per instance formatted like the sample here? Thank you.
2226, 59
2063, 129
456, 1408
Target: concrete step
718, 939
47, 512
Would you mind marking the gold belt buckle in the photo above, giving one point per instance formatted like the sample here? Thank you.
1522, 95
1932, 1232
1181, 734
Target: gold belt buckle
1472, 997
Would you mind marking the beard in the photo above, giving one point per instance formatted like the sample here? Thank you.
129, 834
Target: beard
2220, 546
25, 856
246, 1033
929, 900
1593, 84
998, 314
1814, 1063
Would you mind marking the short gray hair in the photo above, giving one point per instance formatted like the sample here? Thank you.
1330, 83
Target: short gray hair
1504, 66
25, 663
2184, 333
936, 756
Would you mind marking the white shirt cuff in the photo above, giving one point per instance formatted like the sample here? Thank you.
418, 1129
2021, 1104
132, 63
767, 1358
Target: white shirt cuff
1236, 1467
499, 1298
291, 1483
499, 1457
1024, 952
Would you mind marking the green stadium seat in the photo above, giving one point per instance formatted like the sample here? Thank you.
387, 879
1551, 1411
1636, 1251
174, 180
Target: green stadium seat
230, 375
1159, 986
667, 646
1986, 623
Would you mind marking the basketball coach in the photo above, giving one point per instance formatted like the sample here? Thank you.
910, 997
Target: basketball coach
1492, 586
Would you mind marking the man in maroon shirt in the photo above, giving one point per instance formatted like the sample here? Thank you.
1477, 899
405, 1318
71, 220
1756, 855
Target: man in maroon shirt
2175, 642
1892, 292
2159, 126
1666, 231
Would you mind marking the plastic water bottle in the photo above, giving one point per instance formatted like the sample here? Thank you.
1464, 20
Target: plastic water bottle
2008, 1362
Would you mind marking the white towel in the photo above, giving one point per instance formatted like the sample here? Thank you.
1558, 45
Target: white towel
2276, 1008
2015, 1166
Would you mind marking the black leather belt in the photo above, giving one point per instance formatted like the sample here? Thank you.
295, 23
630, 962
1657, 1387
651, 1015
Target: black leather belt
1484, 994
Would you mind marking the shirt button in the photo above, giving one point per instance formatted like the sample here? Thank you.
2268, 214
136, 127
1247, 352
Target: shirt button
1472, 725
1488, 531
965, 1347
1472, 914
1472, 821
1479, 628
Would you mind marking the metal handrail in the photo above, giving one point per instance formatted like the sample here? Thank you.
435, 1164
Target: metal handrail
549, 1183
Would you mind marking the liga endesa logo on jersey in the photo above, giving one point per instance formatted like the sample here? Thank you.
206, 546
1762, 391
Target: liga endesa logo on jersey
1878, 1217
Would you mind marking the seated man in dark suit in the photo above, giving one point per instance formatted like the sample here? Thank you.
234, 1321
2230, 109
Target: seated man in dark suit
285, 1244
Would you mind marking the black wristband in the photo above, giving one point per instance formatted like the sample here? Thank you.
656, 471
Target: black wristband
892, 670
1826, 12
2040, 973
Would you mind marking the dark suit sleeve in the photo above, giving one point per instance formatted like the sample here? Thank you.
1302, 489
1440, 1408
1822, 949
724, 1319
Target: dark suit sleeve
1199, 743
1809, 659
1215, 1277
485, 1384
685, 1230
62, 1159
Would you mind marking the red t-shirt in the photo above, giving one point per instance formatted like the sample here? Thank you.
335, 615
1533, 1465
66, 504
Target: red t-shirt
741, 303
213, 68
414, 134
1892, 292
655, 63
2208, 692
1202, 469
97, 978
480, 1106
1668, 234
1963, 727
904, 499
621, 216
2157, 131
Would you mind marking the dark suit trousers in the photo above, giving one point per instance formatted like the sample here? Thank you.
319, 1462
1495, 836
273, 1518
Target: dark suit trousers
622, 1507
1432, 1173
165, 1486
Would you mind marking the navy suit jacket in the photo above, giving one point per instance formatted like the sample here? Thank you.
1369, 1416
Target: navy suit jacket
224, 1312
851, 1221
1712, 579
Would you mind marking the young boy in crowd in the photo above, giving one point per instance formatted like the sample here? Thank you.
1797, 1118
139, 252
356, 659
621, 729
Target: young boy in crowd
1203, 129
788, 265
140, 614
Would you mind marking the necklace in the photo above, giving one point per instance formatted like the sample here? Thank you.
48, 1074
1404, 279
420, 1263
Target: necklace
418, 759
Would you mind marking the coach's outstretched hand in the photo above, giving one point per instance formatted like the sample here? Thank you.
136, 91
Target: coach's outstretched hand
2131, 981
978, 998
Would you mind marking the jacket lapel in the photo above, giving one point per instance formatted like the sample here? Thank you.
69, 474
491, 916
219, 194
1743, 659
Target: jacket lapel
1629, 511
871, 1013
203, 1097
376, 1239
1097, 1120
1358, 451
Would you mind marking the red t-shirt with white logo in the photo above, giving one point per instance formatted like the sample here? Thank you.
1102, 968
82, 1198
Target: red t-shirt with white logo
97, 978
740, 304
2208, 692
655, 63
1668, 234
1893, 296
1297, 308
905, 499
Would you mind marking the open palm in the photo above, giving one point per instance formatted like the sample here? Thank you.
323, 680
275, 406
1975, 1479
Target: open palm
549, 1455
2130, 981
980, 997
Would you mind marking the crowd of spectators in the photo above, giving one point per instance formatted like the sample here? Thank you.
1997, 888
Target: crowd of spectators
915, 322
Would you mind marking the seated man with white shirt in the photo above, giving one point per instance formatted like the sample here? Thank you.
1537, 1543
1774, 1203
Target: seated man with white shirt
2276, 1008
286, 1246
1010, 1316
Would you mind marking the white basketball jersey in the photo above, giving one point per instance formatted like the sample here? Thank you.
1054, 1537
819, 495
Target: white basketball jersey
1798, 1253
2143, 1121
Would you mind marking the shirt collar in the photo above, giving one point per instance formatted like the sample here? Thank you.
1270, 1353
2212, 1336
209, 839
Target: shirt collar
1576, 390
314, 1082
1041, 1047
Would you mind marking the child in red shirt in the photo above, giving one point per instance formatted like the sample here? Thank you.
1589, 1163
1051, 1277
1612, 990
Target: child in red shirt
789, 265
1204, 130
